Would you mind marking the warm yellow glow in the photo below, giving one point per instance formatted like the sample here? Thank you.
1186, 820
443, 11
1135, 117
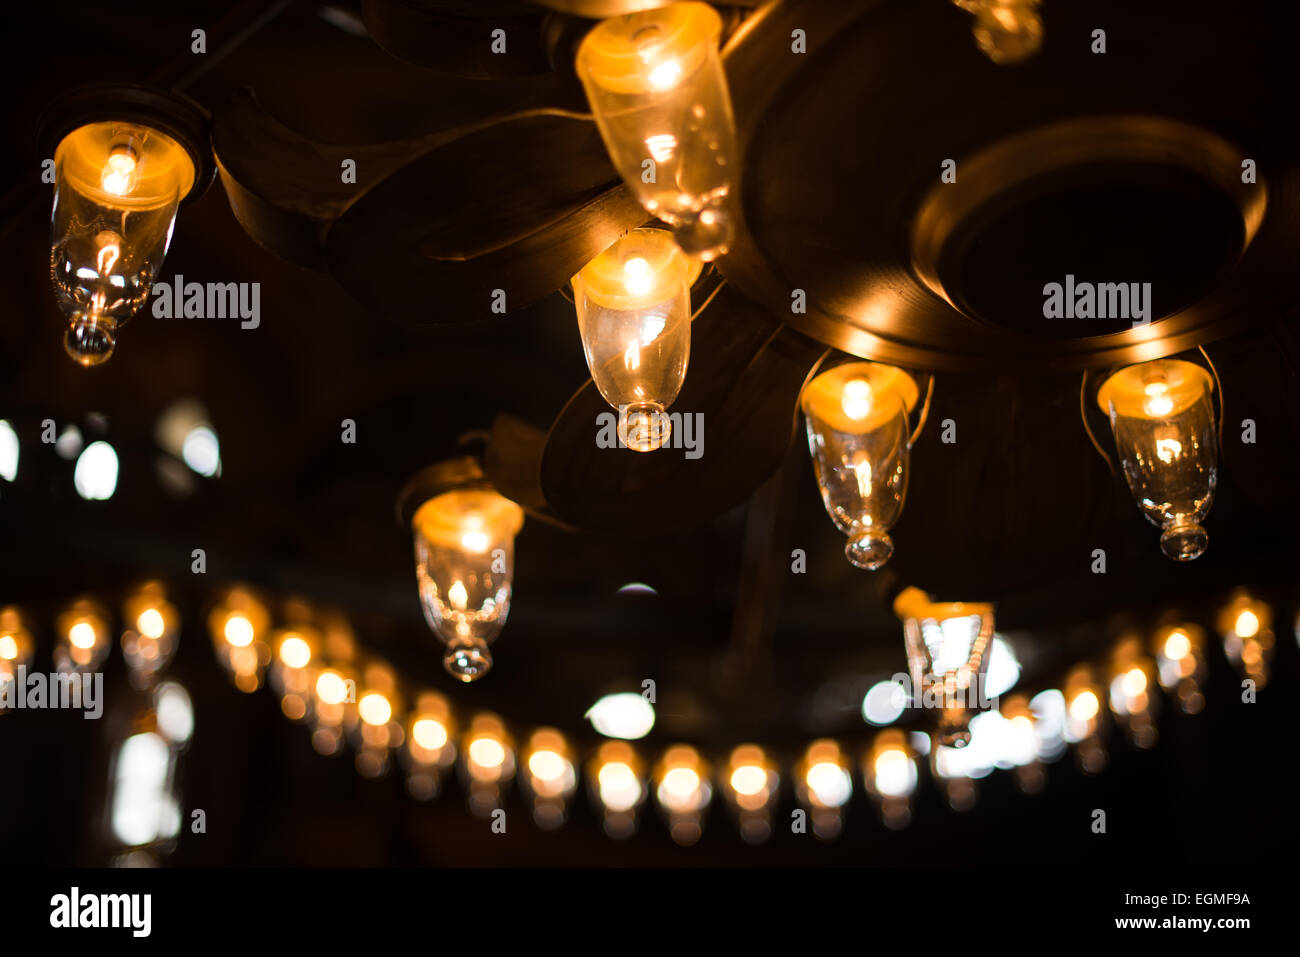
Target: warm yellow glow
487, 752
471, 519
749, 780
1135, 682
1177, 646
109, 253
681, 783
82, 635
636, 276
475, 541
151, 623
8, 647
239, 631
331, 688
1084, 706
1247, 625
374, 709
457, 595
132, 165
294, 651
429, 733
118, 176
620, 788
666, 75
547, 765
1168, 449
857, 398
1157, 389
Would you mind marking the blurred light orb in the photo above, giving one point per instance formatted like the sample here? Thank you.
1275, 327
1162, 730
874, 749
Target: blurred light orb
95, 474
627, 715
884, 703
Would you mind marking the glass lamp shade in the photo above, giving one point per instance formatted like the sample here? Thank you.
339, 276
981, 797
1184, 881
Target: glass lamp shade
655, 84
464, 563
859, 439
948, 647
117, 188
634, 314
1162, 417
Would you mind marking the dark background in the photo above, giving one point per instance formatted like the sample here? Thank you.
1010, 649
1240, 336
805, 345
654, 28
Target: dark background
295, 511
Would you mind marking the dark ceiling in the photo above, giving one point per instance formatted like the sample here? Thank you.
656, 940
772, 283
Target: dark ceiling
739, 646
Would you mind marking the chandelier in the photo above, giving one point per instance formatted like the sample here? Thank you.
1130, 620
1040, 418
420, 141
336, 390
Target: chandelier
676, 174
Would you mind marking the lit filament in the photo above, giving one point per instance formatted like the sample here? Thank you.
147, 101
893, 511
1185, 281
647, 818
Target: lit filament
118, 176
8, 648
862, 473
474, 539
457, 595
632, 357
109, 253
636, 276
665, 75
1157, 402
662, 146
1168, 449
856, 401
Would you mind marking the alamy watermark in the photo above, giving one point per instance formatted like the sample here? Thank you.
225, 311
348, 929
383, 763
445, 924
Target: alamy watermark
37, 691
686, 430
179, 299
1103, 300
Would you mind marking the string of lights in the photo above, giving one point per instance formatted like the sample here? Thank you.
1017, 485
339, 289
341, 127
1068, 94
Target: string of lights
352, 699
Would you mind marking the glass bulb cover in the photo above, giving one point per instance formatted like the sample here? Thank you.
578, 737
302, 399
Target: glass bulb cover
859, 439
634, 315
656, 87
948, 646
1162, 417
117, 189
464, 563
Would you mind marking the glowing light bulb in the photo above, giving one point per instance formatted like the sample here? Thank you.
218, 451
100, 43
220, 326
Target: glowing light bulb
8, 647
1163, 421
151, 623
655, 84
464, 555
1177, 646
949, 648
1084, 706
82, 635
429, 733
634, 315
374, 709
860, 443
118, 189
239, 631
331, 688
1135, 682
1006, 31
295, 652
237, 624
487, 752
1247, 624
